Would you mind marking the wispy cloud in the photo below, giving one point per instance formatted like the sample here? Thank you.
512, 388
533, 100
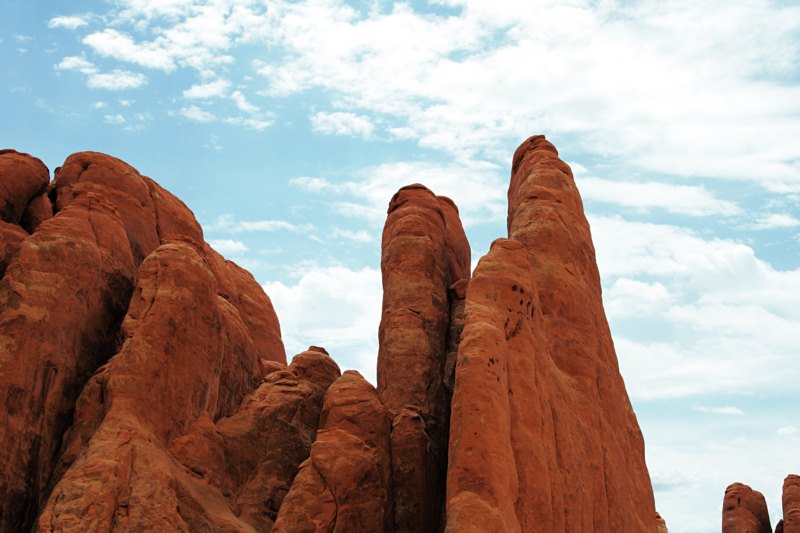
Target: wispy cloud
204, 91
776, 221
196, 114
69, 22
228, 246
341, 123
718, 410
689, 200
229, 224
115, 80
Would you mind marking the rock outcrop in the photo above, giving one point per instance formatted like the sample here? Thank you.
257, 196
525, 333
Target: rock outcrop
791, 504
116, 322
424, 252
564, 451
345, 484
744, 510
146, 384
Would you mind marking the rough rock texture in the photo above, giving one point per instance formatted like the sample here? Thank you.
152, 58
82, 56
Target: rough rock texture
64, 292
424, 252
345, 484
23, 179
564, 451
791, 504
662, 524
744, 510
146, 386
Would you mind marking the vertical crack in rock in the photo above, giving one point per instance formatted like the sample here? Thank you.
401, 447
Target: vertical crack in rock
424, 252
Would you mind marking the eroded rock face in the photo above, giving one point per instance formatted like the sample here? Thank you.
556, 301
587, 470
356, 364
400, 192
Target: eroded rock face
791, 504
345, 484
67, 282
146, 385
424, 252
662, 524
23, 179
536, 356
744, 510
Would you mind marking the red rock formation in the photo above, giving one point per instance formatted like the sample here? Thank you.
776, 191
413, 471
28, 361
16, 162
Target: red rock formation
791, 504
662, 524
345, 484
64, 292
536, 357
146, 385
424, 252
744, 510
22, 180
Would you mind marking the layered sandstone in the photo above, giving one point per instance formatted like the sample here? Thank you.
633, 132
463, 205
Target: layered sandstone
744, 510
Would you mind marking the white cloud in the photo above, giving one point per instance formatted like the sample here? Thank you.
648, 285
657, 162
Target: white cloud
120, 46
334, 307
694, 316
718, 410
776, 221
115, 80
204, 91
227, 223
628, 298
99, 105
79, 63
114, 119
787, 430
646, 90
342, 123
350, 235
475, 187
71, 22
681, 199
255, 124
242, 103
196, 114
228, 246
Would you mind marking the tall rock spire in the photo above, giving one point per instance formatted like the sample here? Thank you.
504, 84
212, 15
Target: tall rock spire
424, 252
537, 360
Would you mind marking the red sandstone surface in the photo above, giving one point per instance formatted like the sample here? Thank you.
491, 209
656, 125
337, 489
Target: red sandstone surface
147, 389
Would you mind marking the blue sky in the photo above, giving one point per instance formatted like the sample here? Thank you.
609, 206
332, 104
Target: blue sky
286, 127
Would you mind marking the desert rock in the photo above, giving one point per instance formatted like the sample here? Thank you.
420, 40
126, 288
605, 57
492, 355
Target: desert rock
424, 252
791, 504
744, 510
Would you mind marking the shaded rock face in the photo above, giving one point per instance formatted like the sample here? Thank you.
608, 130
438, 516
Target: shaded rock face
744, 510
146, 384
345, 484
791, 504
424, 252
117, 322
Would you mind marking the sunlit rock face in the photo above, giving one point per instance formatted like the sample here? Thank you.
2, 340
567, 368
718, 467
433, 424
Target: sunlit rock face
147, 387
542, 434
744, 510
